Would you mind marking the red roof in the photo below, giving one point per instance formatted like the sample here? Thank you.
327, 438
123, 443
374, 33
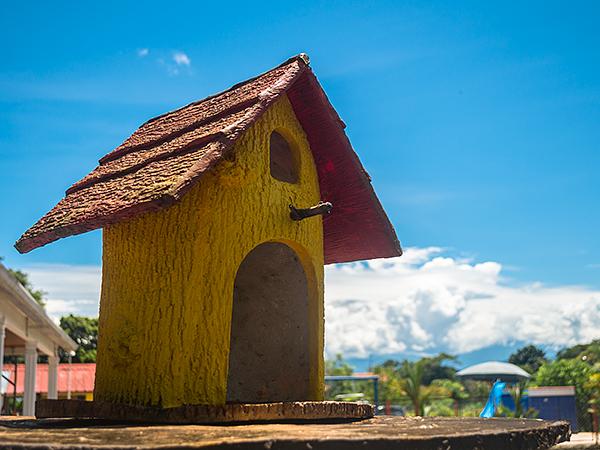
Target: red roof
82, 377
364, 374
156, 166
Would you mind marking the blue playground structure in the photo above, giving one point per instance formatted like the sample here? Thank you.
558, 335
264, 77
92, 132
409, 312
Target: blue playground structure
494, 400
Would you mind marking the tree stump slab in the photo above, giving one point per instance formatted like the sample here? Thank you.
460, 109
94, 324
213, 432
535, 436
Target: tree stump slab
381, 432
205, 414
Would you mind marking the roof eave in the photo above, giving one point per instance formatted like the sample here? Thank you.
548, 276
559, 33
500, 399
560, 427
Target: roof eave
227, 137
392, 247
26, 303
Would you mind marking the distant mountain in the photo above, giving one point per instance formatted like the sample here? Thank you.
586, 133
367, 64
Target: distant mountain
491, 353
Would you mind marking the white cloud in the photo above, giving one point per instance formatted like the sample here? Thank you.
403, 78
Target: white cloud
70, 289
424, 301
176, 64
143, 52
181, 59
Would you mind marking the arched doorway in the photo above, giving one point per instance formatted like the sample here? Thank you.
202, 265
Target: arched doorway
269, 354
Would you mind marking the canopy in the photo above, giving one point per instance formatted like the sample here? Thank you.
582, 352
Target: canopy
494, 370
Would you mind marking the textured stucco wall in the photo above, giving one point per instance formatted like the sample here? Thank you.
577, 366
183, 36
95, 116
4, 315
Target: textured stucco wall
168, 276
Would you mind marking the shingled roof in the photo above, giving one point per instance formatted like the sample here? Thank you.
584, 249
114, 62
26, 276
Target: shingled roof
158, 163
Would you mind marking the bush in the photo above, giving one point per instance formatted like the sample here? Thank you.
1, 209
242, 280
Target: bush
570, 372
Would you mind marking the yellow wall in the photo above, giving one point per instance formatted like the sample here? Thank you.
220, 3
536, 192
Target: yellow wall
167, 285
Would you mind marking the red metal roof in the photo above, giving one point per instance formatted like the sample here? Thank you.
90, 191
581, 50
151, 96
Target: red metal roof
364, 374
82, 377
156, 165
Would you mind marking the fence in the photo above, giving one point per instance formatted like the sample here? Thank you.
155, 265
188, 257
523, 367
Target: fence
579, 415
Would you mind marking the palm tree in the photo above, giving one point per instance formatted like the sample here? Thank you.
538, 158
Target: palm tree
412, 385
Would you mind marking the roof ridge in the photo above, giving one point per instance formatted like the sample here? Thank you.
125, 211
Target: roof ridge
233, 131
301, 57
123, 150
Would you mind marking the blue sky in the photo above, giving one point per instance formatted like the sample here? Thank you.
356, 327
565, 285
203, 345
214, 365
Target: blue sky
478, 122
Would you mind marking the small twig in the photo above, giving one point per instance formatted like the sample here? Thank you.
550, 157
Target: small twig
320, 208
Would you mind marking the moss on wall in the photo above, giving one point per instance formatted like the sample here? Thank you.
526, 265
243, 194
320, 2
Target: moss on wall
167, 288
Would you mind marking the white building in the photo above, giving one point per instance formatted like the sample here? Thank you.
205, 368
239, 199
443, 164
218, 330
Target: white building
26, 330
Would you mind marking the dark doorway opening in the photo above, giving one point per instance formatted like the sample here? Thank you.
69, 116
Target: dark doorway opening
269, 355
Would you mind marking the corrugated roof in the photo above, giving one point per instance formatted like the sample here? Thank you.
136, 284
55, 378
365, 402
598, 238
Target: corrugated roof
76, 377
158, 163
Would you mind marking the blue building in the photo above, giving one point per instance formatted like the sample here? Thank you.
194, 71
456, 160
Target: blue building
554, 403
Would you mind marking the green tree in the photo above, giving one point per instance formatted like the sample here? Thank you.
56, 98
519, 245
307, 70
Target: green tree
529, 358
338, 366
569, 372
434, 368
389, 383
593, 385
589, 353
411, 383
84, 331
517, 395
452, 390
414, 381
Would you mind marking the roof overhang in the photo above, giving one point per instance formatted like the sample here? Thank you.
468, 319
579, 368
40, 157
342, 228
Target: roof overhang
36, 315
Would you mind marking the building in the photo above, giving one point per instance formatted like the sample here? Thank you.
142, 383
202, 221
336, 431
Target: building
74, 380
554, 403
26, 330
215, 232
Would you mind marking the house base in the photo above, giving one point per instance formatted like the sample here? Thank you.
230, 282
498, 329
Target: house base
378, 433
206, 414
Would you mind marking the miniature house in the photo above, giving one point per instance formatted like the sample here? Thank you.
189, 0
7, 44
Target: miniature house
212, 286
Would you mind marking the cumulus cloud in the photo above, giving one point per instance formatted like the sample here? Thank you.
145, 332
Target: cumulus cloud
425, 301
181, 59
70, 289
143, 52
178, 62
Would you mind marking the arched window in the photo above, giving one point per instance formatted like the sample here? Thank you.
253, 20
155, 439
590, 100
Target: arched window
283, 159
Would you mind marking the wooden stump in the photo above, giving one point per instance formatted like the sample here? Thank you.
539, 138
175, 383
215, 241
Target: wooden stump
205, 414
380, 433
